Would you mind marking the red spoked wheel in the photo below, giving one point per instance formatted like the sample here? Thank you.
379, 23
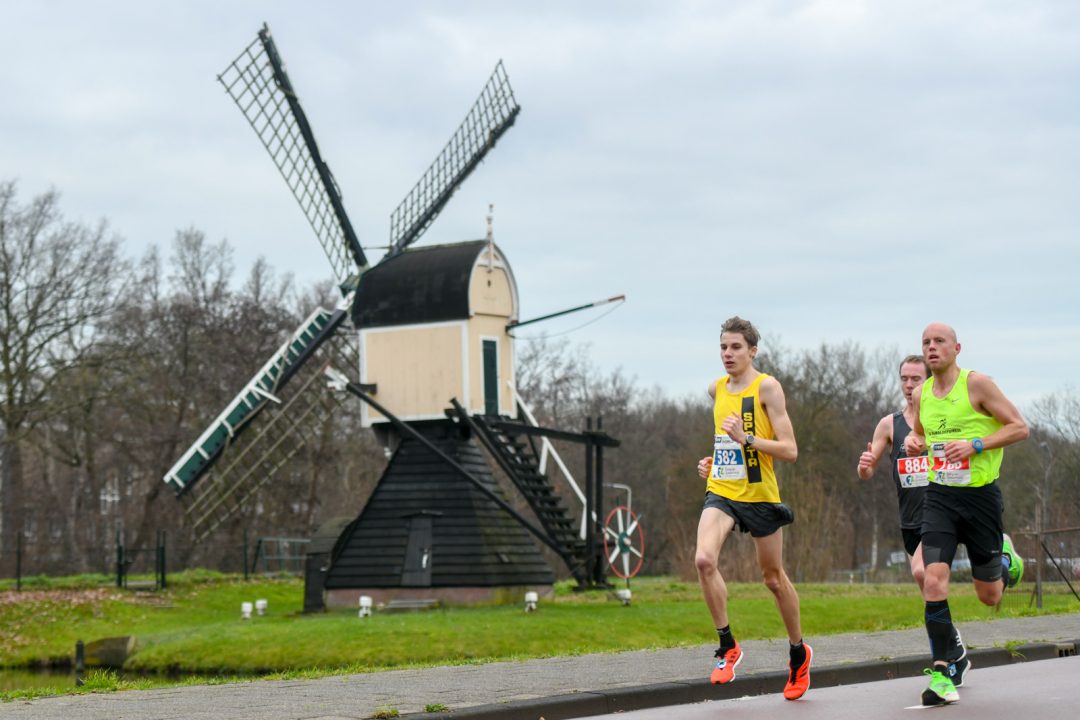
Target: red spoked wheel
624, 542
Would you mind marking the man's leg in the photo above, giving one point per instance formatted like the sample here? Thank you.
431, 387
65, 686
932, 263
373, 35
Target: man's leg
771, 561
989, 593
985, 538
939, 537
940, 630
936, 595
918, 569
713, 529
957, 653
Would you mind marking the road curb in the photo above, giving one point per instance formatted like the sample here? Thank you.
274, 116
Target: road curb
599, 702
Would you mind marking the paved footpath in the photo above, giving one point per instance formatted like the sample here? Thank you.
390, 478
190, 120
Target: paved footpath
564, 687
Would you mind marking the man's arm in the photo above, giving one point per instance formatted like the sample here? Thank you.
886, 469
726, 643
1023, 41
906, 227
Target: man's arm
876, 447
704, 466
987, 398
915, 442
772, 399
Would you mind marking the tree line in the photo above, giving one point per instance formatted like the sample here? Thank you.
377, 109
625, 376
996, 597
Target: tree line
110, 367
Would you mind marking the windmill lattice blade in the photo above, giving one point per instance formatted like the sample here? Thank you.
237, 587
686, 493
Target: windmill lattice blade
257, 82
491, 116
316, 329
254, 458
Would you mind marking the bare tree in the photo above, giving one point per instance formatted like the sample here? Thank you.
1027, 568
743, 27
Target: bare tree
58, 281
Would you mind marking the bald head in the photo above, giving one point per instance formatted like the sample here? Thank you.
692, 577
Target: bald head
941, 330
939, 347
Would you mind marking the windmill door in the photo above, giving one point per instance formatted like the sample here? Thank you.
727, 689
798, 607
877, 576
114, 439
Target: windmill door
416, 570
491, 377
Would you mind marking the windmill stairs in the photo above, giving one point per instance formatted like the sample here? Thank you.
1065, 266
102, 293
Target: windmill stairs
513, 446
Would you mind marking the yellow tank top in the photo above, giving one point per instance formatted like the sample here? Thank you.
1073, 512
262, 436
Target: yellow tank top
742, 474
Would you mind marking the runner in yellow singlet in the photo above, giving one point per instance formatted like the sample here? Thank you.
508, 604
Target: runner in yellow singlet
752, 429
967, 421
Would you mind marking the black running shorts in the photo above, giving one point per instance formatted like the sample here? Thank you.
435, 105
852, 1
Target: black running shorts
912, 538
760, 519
972, 516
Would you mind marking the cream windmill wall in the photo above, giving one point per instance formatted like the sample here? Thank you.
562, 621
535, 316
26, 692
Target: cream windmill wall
492, 299
418, 368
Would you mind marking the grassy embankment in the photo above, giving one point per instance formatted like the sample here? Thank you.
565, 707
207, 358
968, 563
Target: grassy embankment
195, 626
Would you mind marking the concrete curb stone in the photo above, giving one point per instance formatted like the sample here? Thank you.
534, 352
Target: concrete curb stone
583, 704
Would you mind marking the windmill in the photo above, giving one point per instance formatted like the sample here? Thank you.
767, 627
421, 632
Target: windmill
427, 324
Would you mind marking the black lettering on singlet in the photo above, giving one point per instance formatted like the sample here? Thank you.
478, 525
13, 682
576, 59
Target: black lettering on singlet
753, 463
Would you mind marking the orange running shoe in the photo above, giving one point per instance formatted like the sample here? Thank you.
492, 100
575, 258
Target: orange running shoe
726, 661
799, 678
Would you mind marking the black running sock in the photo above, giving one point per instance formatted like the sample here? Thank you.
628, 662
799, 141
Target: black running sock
727, 640
798, 654
939, 629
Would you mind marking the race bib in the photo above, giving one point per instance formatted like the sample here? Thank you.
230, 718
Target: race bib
947, 473
912, 471
728, 460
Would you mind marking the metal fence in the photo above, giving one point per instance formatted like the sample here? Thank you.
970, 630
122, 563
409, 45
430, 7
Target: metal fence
30, 558
279, 556
1051, 569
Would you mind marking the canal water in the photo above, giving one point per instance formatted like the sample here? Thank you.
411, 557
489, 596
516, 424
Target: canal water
62, 679
25, 679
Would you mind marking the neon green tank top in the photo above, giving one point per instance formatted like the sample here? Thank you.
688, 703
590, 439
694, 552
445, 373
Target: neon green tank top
953, 418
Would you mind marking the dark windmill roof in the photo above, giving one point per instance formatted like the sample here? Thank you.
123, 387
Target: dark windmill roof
473, 543
420, 285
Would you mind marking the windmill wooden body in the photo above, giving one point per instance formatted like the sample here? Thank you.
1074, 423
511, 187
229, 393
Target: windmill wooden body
431, 351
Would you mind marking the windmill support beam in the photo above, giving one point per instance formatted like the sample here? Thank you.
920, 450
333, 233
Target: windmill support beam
515, 325
405, 429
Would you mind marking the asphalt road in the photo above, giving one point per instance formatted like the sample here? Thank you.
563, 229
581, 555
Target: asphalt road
1032, 691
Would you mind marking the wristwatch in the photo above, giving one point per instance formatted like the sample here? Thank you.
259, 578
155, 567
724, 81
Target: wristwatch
977, 445
749, 440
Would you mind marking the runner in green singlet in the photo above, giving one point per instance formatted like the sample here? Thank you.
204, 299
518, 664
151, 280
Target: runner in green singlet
964, 420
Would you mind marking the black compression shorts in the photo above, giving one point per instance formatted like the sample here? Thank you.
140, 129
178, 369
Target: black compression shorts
972, 516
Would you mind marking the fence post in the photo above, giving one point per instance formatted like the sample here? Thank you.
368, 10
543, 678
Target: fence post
590, 509
80, 662
161, 555
18, 560
1038, 556
245, 549
119, 561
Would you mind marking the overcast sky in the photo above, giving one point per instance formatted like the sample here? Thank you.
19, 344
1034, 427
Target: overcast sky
831, 170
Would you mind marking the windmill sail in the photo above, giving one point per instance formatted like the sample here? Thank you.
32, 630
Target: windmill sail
272, 440
491, 116
263, 388
257, 82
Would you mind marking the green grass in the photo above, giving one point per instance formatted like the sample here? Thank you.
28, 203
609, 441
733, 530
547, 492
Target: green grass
195, 626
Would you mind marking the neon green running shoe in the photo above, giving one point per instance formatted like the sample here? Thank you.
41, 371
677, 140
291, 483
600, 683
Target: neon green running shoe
1016, 563
941, 690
